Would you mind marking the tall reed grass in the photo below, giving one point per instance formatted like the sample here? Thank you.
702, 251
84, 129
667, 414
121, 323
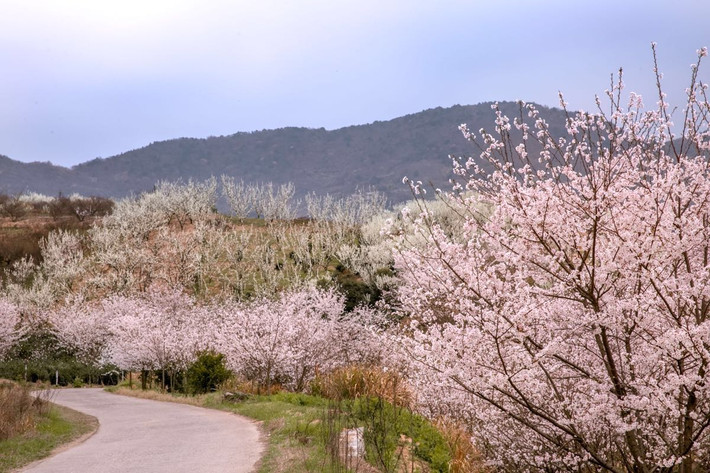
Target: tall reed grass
19, 409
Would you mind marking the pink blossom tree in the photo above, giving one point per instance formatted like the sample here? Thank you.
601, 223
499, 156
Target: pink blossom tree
569, 323
158, 330
289, 339
83, 329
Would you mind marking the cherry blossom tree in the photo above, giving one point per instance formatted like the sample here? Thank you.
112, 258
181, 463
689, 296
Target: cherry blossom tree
289, 339
82, 329
160, 329
125, 347
568, 324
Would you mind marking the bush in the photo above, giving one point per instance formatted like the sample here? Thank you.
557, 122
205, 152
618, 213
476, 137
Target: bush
80, 207
14, 208
207, 372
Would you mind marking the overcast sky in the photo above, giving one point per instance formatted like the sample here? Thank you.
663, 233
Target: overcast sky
82, 79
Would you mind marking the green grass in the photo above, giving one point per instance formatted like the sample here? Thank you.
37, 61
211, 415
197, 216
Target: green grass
60, 426
302, 424
384, 424
294, 426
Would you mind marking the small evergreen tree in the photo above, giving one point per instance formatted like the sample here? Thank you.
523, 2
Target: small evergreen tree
207, 372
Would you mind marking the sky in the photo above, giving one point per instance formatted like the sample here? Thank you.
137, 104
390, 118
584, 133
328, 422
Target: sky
81, 79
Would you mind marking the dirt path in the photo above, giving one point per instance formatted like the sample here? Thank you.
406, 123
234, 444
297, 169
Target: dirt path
151, 436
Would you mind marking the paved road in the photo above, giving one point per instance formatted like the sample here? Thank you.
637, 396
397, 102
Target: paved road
151, 436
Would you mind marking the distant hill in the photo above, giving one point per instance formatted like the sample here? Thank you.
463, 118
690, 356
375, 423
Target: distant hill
337, 162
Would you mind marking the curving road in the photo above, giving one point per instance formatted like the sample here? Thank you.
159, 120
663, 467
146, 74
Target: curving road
151, 436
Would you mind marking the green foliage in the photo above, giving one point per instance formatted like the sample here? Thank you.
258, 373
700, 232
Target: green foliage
385, 424
39, 357
429, 444
298, 399
207, 372
40, 344
293, 423
70, 371
356, 291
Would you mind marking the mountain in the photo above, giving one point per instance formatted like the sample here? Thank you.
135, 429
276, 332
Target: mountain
338, 161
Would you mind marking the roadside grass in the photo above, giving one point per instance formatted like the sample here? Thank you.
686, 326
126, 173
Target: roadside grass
293, 425
56, 428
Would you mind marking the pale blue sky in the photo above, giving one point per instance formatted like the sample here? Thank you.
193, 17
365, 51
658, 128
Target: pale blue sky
88, 78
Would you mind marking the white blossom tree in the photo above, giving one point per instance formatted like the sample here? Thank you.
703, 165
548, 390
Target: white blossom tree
154, 237
10, 328
239, 195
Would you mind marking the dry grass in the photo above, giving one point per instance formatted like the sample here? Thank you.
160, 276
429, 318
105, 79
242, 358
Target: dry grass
56, 430
408, 463
352, 382
465, 457
19, 410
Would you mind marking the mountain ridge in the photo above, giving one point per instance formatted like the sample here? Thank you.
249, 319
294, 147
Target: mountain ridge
335, 161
